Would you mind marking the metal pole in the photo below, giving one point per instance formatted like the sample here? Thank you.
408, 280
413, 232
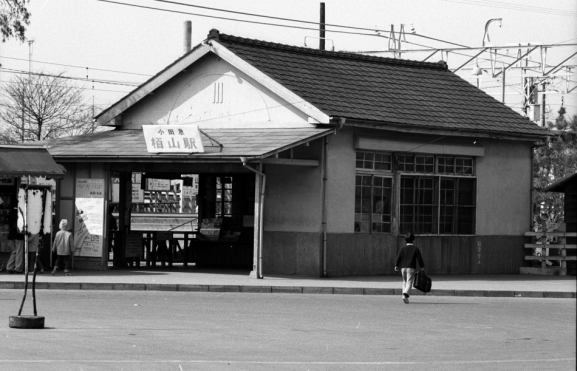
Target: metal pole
322, 28
503, 93
543, 107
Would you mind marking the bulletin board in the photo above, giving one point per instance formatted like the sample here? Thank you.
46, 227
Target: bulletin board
89, 223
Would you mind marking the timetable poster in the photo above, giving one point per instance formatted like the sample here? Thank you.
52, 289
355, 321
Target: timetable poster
88, 226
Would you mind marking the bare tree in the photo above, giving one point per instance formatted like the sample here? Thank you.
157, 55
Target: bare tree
39, 106
14, 17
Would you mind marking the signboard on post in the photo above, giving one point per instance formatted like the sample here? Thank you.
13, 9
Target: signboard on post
137, 194
157, 184
89, 223
134, 248
172, 139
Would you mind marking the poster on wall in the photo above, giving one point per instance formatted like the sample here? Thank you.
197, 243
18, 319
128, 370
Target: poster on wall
88, 226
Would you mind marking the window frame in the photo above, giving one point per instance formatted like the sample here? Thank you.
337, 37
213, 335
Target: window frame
398, 173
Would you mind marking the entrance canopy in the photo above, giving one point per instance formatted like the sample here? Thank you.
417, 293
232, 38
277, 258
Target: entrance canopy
18, 161
220, 145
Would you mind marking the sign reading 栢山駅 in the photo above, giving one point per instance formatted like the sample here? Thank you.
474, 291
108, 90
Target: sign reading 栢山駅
172, 138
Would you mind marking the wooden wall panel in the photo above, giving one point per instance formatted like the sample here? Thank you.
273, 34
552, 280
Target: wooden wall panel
350, 254
308, 262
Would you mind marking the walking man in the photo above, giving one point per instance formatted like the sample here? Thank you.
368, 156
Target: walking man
407, 260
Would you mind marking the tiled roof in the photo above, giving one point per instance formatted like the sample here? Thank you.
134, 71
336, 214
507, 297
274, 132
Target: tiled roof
131, 143
381, 90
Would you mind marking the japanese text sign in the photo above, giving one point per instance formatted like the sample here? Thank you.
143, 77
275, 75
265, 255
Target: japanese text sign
172, 139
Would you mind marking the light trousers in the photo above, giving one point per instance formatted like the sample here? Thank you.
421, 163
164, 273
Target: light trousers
16, 260
408, 279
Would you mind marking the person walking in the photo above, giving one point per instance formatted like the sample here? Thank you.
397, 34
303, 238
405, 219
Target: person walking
407, 260
63, 246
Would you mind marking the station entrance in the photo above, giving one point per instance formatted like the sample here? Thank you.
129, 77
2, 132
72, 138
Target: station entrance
181, 220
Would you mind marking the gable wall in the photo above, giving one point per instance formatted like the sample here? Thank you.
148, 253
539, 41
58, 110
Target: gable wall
212, 93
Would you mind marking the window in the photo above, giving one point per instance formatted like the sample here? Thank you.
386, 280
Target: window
457, 210
219, 202
425, 164
374, 161
405, 163
417, 204
446, 165
437, 197
464, 166
373, 204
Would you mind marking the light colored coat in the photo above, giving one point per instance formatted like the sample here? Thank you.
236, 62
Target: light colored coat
63, 243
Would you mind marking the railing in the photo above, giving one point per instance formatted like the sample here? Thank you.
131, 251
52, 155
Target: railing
542, 243
165, 247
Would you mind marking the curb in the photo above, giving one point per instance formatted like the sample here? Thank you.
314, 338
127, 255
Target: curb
284, 290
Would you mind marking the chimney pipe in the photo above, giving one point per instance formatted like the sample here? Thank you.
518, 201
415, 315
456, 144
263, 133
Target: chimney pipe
187, 36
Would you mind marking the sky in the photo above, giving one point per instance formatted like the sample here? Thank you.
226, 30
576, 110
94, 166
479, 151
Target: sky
125, 45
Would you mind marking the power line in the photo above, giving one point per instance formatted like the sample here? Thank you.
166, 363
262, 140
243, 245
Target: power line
73, 66
280, 25
230, 19
81, 88
265, 16
112, 82
526, 8
306, 22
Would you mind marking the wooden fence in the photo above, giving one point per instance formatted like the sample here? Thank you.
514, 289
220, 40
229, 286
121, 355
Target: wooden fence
542, 244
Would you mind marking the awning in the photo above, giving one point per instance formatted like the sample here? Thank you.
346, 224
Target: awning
24, 160
220, 145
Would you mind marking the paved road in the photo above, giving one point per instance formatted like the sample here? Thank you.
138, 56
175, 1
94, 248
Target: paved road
146, 330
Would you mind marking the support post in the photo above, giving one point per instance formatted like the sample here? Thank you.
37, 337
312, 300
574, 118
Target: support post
259, 189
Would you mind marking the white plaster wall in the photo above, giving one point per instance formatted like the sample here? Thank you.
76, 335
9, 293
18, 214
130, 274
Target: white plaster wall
293, 196
341, 182
504, 188
213, 93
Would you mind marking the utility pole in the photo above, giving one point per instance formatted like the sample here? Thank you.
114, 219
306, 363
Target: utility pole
322, 28
543, 98
24, 90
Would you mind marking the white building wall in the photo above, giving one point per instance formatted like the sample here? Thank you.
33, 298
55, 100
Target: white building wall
214, 94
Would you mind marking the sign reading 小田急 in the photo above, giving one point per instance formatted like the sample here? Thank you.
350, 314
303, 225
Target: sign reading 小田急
172, 138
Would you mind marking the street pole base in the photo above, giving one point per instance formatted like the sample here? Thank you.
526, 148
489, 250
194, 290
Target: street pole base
254, 274
32, 322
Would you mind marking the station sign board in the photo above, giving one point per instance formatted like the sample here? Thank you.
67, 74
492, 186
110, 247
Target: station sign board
172, 139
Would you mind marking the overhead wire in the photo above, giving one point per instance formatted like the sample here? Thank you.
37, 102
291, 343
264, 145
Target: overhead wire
111, 82
81, 88
318, 23
73, 66
281, 25
527, 8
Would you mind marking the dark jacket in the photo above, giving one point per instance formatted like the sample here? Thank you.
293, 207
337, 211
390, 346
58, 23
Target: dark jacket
408, 257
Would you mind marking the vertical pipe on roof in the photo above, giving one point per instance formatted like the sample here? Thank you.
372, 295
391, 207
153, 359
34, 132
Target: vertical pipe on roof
187, 36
